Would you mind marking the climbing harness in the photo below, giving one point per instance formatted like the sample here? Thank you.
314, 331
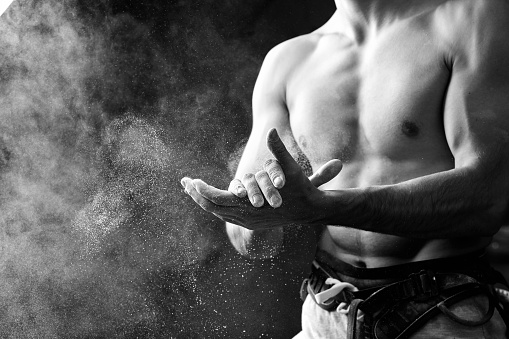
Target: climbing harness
398, 309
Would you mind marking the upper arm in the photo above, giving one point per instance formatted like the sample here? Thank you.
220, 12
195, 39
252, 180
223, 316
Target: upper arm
269, 111
476, 111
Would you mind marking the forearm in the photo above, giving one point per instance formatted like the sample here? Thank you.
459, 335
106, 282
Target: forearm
259, 244
457, 203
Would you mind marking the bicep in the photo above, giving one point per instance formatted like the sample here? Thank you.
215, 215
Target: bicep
476, 117
476, 110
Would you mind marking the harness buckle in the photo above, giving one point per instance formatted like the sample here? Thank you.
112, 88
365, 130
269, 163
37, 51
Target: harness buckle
425, 283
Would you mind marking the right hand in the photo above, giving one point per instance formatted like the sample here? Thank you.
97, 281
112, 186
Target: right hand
264, 185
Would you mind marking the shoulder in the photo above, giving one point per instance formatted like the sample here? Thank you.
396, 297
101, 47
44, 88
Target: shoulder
287, 55
281, 62
456, 12
471, 25
299, 45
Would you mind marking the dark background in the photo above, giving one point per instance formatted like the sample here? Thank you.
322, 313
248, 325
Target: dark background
105, 105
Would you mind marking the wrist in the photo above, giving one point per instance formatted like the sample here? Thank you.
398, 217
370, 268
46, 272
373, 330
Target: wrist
322, 207
339, 207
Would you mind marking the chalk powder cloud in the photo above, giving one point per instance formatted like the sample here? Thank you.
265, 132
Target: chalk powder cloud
4, 4
103, 110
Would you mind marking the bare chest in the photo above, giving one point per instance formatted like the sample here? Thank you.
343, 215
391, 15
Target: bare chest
381, 100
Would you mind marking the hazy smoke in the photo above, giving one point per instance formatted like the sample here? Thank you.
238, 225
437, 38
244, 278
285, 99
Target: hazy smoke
102, 112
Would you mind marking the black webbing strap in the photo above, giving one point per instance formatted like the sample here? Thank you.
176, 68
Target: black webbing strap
352, 319
418, 285
406, 328
502, 298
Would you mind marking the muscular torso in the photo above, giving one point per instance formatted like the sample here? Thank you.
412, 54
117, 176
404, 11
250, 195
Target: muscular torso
378, 107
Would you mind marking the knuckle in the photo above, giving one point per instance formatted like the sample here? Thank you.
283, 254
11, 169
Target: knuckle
269, 163
248, 177
265, 182
274, 169
252, 189
261, 175
272, 192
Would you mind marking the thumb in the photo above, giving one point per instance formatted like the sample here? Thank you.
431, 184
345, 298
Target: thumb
326, 173
278, 149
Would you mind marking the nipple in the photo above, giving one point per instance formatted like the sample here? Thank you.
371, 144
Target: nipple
409, 129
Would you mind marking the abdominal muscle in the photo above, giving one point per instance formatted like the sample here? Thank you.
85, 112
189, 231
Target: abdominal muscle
370, 249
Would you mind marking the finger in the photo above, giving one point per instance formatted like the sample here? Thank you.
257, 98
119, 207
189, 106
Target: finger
205, 204
237, 188
186, 184
326, 173
253, 191
183, 181
215, 195
269, 191
275, 172
278, 149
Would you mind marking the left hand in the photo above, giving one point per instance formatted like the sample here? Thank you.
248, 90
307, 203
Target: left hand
301, 200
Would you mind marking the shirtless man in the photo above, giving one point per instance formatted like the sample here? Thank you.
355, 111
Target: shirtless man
412, 97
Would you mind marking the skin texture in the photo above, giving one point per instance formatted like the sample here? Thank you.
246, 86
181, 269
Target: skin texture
411, 97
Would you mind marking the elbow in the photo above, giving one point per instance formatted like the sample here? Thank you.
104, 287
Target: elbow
496, 214
493, 195
499, 209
